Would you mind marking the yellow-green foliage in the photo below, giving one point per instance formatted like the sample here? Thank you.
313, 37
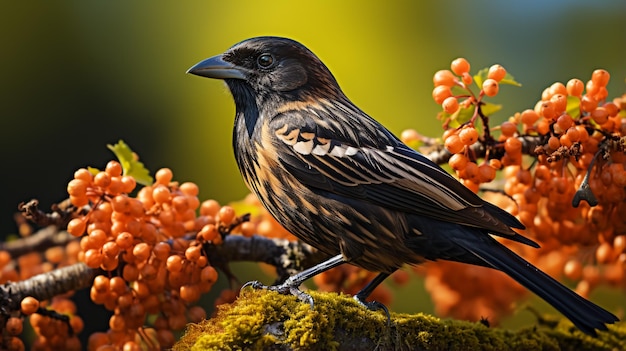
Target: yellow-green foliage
263, 320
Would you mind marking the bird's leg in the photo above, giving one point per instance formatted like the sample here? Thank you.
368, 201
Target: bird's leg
362, 295
290, 286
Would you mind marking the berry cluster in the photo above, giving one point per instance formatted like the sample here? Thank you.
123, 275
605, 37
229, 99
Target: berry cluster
563, 166
150, 250
465, 107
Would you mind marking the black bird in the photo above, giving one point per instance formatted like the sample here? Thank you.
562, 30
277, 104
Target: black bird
343, 183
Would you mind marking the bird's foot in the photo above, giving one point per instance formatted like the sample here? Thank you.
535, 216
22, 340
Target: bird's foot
373, 306
284, 289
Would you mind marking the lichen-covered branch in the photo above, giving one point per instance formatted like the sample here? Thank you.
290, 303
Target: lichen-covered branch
264, 320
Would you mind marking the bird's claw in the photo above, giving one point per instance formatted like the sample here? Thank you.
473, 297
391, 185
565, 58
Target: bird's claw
374, 306
284, 289
254, 284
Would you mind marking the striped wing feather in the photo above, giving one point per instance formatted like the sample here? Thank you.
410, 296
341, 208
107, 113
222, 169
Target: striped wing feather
387, 174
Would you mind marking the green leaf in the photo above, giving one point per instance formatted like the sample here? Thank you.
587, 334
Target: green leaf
242, 206
489, 108
573, 106
510, 80
93, 170
130, 164
481, 76
461, 116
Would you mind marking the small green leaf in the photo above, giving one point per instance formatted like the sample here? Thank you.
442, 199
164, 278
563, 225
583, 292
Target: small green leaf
93, 170
462, 115
130, 164
488, 108
242, 207
573, 106
482, 75
510, 80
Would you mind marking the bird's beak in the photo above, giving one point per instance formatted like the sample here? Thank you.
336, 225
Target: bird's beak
216, 67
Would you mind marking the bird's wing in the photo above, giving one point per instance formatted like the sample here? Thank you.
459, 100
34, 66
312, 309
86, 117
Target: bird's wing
386, 173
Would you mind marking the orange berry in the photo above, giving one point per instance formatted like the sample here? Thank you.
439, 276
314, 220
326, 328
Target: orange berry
113, 168
77, 187
554, 143
588, 103
84, 175
226, 214
573, 269
209, 208
611, 109
124, 240
490, 87
508, 128
471, 172
189, 293
575, 87
543, 127
467, 79
189, 188
193, 253
486, 173
495, 163
93, 258
444, 77
208, 274
573, 134
161, 194
14, 326
460, 66
29, 305
440, 93
496, 72
547, 110
450, 105
248, 229
409, 136
458, 161
453, 144
102, 180
557, 88
128, 184
565, 140
529, 117
600, 77
564, 122
513, 146
468, 135
559, 101
600, 115
142, 252
163, 176
174, 263
77, 226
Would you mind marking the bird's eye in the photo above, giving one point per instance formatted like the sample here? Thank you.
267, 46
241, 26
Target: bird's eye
265, 60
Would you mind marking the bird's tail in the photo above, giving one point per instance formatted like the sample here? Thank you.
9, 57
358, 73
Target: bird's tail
585, 315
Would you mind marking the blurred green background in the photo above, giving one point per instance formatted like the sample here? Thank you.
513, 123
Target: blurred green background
77, 75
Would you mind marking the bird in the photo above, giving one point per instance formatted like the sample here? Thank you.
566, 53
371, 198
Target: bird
343, 183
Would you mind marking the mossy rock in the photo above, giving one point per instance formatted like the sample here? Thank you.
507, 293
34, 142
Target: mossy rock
265, 320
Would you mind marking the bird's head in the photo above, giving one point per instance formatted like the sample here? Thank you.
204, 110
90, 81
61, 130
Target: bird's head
270, 66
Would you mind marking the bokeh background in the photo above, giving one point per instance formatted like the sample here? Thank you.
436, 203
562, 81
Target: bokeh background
77, 75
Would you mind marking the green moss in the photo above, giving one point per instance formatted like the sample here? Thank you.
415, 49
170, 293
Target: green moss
264, 320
